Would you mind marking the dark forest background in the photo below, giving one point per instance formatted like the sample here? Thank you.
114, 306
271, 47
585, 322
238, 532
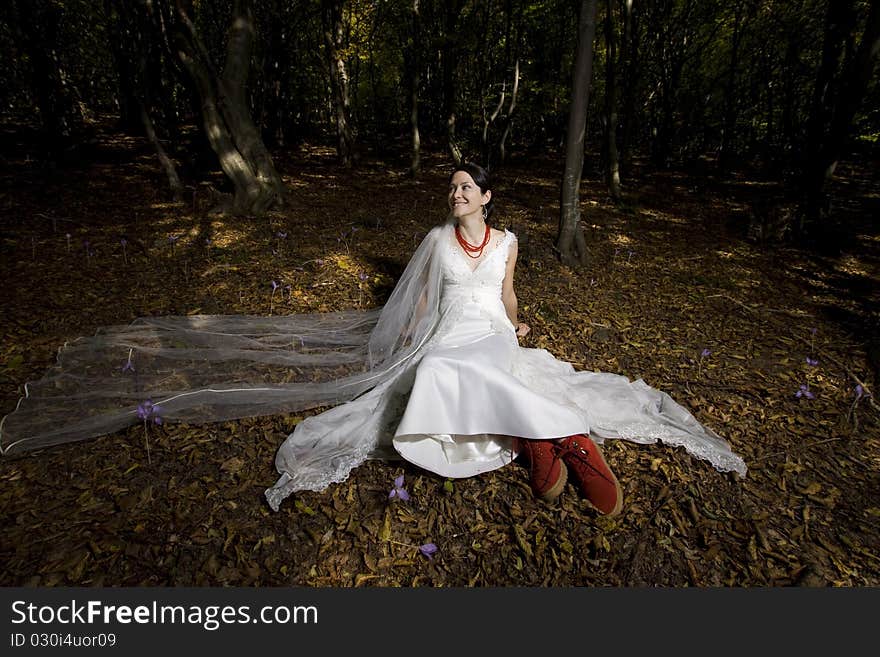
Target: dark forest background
783, 87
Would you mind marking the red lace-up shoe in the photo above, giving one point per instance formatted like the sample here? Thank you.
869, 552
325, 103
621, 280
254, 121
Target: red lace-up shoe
595, 479
547, 472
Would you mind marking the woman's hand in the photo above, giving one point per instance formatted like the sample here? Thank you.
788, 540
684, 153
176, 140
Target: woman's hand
522, 329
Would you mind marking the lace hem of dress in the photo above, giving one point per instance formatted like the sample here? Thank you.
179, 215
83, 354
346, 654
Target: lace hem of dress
648, 434
309, 465
315, 480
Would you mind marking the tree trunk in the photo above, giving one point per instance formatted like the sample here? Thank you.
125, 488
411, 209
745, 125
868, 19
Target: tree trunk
508, 119
226, 116
787, 123
836, 101
489, 119
132, 49
612, 162
571, 242
334, 42
276, 73
415, 80
630, 70
450, 61
164, 160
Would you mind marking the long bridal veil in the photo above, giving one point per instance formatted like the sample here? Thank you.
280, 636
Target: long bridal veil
208, 368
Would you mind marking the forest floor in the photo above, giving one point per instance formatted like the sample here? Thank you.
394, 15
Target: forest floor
671, 275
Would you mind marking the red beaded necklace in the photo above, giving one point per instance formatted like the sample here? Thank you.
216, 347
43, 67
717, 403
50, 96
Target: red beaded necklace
469, 248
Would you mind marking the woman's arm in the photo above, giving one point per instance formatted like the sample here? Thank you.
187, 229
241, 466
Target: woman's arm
508, 295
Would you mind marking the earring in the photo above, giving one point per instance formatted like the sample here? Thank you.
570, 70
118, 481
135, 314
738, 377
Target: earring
485, 213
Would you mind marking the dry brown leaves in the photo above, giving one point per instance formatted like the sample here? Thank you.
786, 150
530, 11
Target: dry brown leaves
669, 278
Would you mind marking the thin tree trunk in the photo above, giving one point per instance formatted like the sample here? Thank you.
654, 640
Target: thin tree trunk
415, 81
334, 34
612, 163
488, 120
571, 242
839, 17
629, 68
508, 120
164, 160
770, 133
276, 69
449, 64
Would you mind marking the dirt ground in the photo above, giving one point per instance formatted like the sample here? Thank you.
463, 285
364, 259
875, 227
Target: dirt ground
671, 275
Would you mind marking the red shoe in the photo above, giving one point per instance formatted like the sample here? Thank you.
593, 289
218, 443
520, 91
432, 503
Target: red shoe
547, 472
597, 483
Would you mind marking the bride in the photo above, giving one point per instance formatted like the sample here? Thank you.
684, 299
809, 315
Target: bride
436, 375
472, 398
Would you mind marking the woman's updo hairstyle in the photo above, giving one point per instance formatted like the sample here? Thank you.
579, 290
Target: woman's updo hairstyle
481, 178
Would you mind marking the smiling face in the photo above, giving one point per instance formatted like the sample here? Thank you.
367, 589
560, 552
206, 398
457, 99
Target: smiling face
465, 198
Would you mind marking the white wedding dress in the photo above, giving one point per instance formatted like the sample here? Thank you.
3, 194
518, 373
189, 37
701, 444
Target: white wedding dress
466, 405
458, 405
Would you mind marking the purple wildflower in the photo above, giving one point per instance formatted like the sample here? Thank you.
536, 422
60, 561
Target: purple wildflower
860, 391
275, 286
147, 411
362, 276
280, 235
128, 367
812, 361
399, 491
804, 391
705, 353
428, 549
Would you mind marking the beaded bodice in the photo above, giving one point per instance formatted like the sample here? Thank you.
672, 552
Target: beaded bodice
465, 280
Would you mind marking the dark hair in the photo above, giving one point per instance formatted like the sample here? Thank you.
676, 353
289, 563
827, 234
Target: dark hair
481, 178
